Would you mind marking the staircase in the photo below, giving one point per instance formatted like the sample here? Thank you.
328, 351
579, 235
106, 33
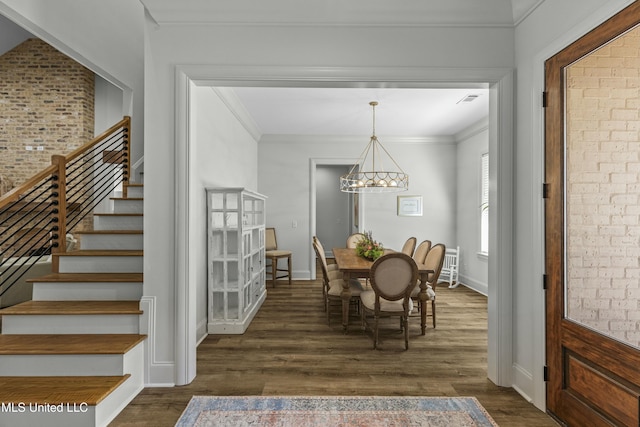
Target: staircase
73, 356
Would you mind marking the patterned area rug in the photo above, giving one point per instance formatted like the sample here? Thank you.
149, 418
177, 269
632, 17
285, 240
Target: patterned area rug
335, 411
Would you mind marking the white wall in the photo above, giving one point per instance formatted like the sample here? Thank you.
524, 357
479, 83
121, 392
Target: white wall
552, 26
224, 155
472, 143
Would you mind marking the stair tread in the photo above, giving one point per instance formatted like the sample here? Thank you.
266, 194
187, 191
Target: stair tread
133, 184
109, 232
126, 198
68, 343
117, 214
101, 252
58, 390
73, 308
90, 277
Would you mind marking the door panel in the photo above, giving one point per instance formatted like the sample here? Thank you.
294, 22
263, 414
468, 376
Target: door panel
592, 220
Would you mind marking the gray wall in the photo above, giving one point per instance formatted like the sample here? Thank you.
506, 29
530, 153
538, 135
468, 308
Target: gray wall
333, 214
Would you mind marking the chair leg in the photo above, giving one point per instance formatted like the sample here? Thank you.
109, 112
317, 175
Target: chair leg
289, 268
375, 332
274, 270
433, 312
405, 322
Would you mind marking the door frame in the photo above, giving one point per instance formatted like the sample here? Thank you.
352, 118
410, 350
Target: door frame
558, 330
501, 82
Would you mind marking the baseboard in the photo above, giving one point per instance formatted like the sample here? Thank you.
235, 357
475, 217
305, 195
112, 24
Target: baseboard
522, 381
477, 286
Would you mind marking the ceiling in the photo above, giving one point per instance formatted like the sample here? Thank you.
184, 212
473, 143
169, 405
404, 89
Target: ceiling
345, 112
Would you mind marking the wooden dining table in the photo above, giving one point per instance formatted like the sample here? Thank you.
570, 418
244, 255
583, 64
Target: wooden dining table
353, 266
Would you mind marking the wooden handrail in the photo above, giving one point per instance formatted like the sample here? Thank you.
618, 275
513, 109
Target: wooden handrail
15, 193
124, 123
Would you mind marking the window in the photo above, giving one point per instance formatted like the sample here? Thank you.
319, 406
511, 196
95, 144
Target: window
484, 205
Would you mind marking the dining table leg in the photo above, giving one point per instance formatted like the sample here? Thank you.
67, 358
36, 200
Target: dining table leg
346, 299
423, 297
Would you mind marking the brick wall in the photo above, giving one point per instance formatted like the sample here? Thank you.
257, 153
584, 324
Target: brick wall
46, 100
603, 201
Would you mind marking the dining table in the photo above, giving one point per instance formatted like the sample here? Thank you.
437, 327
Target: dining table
354, 266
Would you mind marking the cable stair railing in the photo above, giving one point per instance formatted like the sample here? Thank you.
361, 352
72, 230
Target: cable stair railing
36, 216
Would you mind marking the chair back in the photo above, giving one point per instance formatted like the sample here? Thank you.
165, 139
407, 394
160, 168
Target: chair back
393, 276
317, 247
353, 240
270, 242
409, 246
434, 261
421, 251
450, 265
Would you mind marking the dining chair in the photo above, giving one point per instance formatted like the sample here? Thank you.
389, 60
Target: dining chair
393, 277
433, 261
330, 267
353, 240
421, 251
274, 254
332, 283
409, 246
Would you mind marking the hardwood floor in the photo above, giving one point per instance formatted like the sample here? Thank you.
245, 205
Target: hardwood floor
290, 350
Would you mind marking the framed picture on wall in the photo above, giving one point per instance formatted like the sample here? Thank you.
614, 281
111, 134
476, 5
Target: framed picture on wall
409, 205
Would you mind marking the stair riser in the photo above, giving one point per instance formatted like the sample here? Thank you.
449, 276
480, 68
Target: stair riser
135, 192
112, 242
92, 291
30, 417
70, 364
101, 222
71, 324
101, 264
127, 206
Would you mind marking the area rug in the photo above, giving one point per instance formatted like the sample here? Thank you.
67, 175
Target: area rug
334, 411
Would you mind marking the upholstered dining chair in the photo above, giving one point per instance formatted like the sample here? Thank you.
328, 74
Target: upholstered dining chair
433, 261
409, 246
393, 277
274, 254
332, 282
421, 251
330, 267
353, 240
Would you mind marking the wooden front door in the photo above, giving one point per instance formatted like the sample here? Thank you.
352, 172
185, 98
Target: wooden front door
592, 217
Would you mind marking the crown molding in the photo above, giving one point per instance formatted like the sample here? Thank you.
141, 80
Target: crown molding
355, 139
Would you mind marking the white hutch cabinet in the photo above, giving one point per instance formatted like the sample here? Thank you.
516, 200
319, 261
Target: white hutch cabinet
235, 258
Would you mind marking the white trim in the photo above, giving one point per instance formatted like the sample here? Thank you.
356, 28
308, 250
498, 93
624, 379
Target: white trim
501, 137
313, 165
152, 367
185, 295
233, 103
346, 139
500, 302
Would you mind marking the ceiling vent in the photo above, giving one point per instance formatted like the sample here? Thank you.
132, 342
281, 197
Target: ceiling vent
468, 98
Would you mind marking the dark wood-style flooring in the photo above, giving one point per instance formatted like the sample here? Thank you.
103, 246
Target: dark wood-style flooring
289, 349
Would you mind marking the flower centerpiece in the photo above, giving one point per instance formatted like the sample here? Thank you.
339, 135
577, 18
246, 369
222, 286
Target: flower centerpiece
368, 248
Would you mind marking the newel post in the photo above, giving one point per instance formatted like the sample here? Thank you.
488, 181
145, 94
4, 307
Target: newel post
59, 197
